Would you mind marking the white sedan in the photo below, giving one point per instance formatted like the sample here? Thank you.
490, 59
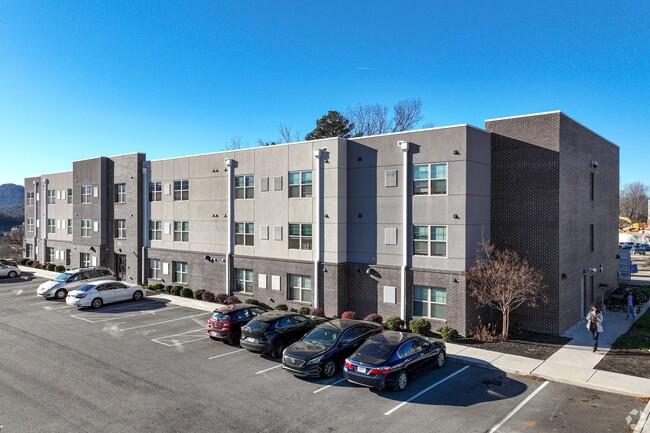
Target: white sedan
98, 293
9, 271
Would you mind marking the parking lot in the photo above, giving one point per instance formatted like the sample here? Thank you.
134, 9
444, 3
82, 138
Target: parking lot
149, 366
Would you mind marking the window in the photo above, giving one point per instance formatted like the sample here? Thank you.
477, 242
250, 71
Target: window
84, 259
69, 195
591, 187
120, 193
591, 238
430, 241
245, 234
69, 226
181, 231
155, 191
86, 193
51, 225
300, 288
430, 302
245, 186
181, 190
120, 229
154, 268
85, 228
30, 225
155, 230
244, 280
51, 196
30, 199
430, 179
180, 272
300, 184
300, 236
49, 254
28, 250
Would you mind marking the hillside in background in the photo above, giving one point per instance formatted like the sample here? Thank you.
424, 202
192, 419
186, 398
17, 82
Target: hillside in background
12, 205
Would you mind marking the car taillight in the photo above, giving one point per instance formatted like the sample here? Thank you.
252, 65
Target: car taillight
80, 296
384, 370
225, 325
115, 275
382, 329
348, 364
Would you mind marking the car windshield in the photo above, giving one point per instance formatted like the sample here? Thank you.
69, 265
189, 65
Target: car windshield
221, 316
84, 288
325, 336
63, 277
374, 353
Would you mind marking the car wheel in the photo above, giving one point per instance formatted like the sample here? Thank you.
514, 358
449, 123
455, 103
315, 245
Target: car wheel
278, 349
97, 302
12, 274
60, 294
137, 296
234, 338
329, 369
401, 381
440, 359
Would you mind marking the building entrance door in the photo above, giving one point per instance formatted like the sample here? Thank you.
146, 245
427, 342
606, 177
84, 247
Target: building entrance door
120, 266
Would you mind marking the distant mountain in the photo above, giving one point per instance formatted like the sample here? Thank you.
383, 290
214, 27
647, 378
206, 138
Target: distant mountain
12, 202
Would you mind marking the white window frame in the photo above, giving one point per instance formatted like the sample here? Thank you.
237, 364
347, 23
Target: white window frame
49, 254
430, 301
245, 234
120, 193
302, 188
244, 280
29, 225
51, 196
424, 185
69, 226
429, 240
245, 187
154, 269
155, 191
30, 198
51, 225
181, 271
86, 194
304, 241
120, 229
69, 195
86, 228
300, 288
181, 231
181, 190
84, 260
155, 230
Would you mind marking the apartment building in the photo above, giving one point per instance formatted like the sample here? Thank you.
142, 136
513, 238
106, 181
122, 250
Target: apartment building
386, 224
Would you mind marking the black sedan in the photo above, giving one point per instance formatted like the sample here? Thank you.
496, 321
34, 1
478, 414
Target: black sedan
324, 349
391, 358
271, 332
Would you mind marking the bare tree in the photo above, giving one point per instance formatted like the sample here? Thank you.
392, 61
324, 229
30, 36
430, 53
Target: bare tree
633, 201
370, 119
235, 143
504, 281
406, 114
14, 240
287, 134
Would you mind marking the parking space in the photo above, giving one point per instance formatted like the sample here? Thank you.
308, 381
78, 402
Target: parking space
158, 354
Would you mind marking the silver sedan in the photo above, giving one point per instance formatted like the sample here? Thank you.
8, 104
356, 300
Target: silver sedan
9, 271
98, 293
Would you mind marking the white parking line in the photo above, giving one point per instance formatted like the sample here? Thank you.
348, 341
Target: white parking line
119, 316
227, 353
426, 390
330, 385
63, 307
175, 342
519, 406
269, 369
165, 321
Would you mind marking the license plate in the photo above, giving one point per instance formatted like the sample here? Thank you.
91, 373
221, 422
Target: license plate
361, 369
251, 340
214, 334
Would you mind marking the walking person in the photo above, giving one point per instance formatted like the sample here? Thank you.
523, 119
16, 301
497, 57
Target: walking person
631, 302
595, 323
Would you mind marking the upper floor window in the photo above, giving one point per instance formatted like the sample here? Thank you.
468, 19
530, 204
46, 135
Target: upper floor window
430, 302
30, 198
245, 186
300, 236
69, 226
51, 196
300, 184
86, 228
592, 182
69, 195
181, 190
120, 229
245, 234
155, 191
155, 230
120, 193
430, 179
430, 241
181, 231
30, 225
86, 193
51, 225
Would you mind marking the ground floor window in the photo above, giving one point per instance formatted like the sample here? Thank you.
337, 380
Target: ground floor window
84, 260
49, 254
154, 268
430, 302
28, 250
300, 288
180, 272
244, 280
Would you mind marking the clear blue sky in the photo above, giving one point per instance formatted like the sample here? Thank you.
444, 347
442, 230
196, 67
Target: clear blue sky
171, 78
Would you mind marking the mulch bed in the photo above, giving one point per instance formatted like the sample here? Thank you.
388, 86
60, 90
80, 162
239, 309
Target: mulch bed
626, 361
528, 344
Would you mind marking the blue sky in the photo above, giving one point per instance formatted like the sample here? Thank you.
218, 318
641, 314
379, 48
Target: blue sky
172, 78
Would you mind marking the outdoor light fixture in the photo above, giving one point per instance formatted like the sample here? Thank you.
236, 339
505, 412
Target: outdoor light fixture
564, 276
456, 217
456, 152
594, 164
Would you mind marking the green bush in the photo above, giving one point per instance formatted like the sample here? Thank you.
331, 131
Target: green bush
168, 289
420, 326
186, 292
175, 290
252, 301
304, 311
23, 261
281, 307
60, 269
159, 286
29, 262
198, 293
394, 323
50, 267
448, 333
207, 296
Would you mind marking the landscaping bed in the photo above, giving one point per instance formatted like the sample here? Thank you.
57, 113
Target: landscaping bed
524, 343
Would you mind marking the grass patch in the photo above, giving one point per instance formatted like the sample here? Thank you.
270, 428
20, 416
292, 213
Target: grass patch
638, 336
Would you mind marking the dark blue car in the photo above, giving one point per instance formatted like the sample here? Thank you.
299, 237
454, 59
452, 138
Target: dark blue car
391, 358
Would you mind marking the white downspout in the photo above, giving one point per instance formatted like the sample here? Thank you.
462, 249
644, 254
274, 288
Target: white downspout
145, 219
35, 240
404, 146
44, 227
229, 253
319, 223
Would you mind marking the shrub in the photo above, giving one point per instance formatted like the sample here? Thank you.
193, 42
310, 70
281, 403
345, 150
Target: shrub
282, 307
24, 261
186, 292
198, 293
37, 265
420, 326
50, 267
220, 298
60, 269
317, 312
349, 315
207, 296
394, 323
448, 333
374, 317
168, 289
179, 287
304, 311
485, 333
159, 287
252, 301
29, 262
175, 290
232, 299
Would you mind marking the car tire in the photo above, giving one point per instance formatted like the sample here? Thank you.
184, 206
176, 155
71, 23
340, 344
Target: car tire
278, 348
61, 293
213, 338
401, 381
97, 303
440, 359
329, 369
12, 274
137, 295
234, 338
